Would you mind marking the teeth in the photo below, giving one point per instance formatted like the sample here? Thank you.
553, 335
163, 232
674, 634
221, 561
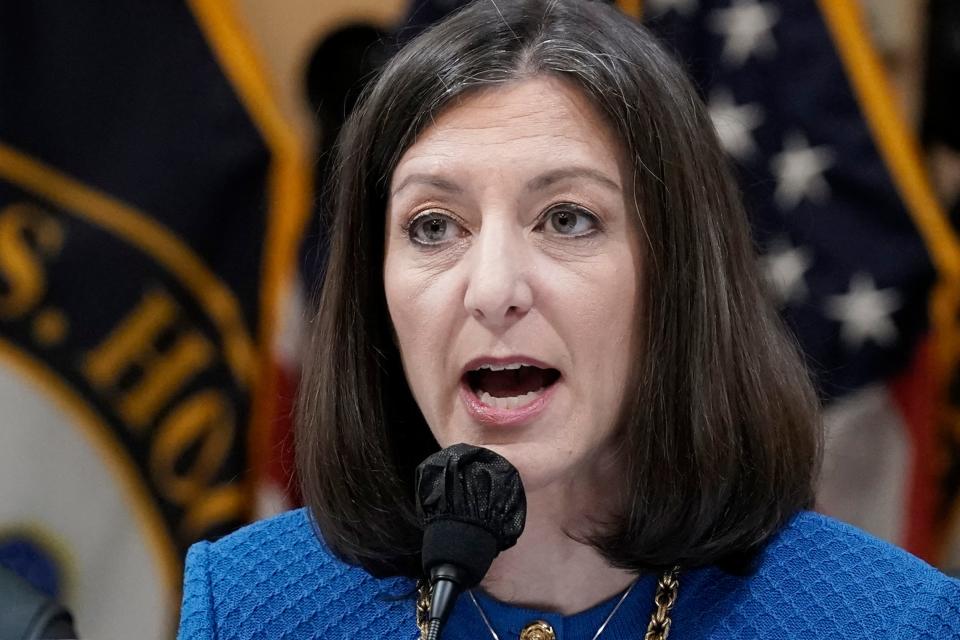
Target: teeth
510, 402
501, 367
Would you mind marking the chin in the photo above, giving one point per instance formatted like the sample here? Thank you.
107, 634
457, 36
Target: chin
540, 453
539, 466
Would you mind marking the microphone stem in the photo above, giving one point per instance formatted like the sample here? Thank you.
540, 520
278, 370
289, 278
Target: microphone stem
446, 588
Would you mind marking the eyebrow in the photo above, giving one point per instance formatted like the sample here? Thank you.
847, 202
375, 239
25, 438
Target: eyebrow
551, 177
539, 183
429, 180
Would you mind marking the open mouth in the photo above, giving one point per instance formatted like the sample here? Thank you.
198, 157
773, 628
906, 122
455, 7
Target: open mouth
509, 386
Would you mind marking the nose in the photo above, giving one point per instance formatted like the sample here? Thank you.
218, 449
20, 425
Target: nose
498, 289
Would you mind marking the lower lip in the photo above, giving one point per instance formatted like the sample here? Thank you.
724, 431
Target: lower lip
492, 416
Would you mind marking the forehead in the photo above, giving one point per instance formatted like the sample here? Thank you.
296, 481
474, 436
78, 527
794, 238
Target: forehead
538, 121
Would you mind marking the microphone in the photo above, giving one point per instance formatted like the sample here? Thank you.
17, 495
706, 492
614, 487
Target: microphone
472, 506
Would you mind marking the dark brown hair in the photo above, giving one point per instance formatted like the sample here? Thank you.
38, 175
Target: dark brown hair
721, 435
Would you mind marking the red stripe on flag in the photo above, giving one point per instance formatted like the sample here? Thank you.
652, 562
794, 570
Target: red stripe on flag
915, 392
280, 467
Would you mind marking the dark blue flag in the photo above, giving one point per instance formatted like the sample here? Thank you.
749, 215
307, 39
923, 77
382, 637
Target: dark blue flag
151, 201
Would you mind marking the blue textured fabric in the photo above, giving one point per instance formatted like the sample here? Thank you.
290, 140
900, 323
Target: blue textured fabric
817, 578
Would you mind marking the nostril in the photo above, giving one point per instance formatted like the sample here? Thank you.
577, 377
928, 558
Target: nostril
516, 311
497, 300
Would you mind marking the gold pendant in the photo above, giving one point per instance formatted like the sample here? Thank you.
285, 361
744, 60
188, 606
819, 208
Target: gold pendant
538, 630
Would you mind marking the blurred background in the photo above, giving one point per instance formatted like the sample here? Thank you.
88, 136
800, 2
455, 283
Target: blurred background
162, 165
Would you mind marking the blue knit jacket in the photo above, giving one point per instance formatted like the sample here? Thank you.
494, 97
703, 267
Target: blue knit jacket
817, 578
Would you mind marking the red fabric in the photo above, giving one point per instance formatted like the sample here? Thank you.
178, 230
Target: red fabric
280, 467
915, 392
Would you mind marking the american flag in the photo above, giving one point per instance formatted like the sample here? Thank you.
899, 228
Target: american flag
856, 250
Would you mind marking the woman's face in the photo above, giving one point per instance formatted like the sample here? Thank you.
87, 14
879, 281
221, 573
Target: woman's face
512, 277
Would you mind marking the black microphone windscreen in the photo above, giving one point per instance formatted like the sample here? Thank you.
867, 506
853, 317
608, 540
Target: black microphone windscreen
472, 506
468, 547
473, 485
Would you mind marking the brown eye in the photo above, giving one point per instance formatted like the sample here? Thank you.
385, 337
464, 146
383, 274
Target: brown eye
571, 221
434, 228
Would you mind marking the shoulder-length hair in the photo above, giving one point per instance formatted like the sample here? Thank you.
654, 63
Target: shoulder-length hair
721, 431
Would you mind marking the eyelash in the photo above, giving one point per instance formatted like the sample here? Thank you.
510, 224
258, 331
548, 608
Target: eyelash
409, 228
577, 210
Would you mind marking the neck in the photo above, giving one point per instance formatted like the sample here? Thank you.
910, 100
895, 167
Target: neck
549, 570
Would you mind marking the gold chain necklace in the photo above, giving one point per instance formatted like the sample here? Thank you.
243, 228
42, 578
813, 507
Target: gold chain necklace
658, 629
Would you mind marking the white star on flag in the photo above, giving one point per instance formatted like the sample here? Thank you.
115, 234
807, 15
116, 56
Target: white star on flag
799, 171
735, 123
864, 312
683, 7
784, 266
746, 28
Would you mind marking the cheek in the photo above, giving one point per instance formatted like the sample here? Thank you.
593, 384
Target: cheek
602, 328
405, 303
422, 315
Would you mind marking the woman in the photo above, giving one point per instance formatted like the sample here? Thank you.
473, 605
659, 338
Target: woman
537, 247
